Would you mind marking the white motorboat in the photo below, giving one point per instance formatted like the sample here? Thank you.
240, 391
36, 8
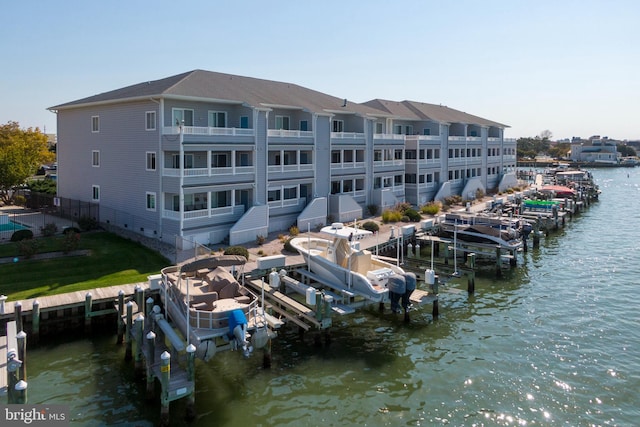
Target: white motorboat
222, 313
342, 265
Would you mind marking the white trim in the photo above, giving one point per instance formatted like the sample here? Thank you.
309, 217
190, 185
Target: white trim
94, 189
155, 201
95, 120
155, 161
146, 120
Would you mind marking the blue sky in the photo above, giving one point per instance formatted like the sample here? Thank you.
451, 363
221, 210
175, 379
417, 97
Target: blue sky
570, 67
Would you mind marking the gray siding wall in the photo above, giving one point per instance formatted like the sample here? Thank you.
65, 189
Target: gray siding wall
323, 156
123, 143
261, 158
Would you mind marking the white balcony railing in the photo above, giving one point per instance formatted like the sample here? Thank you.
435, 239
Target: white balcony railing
198, 130
203, 213
196, 172
290, 133
287, 202
347, 135
290, 168
389, 136
347, 165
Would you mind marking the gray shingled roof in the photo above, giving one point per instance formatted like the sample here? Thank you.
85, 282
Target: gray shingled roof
263, 93
211, 85
412, 110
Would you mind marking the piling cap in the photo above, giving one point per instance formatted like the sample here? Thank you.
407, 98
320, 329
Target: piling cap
191, 348
151, 335
165, 355
21, 385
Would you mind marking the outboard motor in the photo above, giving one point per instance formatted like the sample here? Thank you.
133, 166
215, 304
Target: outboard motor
397, 287
238, 331
411, 281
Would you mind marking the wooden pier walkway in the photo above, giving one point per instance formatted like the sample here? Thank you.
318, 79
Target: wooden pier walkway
71, 299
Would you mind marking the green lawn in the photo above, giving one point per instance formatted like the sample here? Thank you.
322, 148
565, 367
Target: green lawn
113, 261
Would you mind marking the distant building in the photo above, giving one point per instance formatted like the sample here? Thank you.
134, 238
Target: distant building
211, 157
595, 150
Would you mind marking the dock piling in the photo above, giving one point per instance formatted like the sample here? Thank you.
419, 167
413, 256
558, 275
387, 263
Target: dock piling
191, 375
120, 314
165, 369
17, 307
87, 313
151, 360
128, 328
35, 321
139, 331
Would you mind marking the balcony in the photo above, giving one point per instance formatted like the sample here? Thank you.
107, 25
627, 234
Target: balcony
290, 168
287, 202
199, 172
289, 133
206, 131
347, 135
203, 213
347, 165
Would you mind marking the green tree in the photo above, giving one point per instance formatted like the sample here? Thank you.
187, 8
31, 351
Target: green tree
22, 151
626, 150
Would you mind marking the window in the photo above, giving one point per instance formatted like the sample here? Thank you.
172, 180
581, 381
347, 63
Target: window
244, 122
306, 157
291, 193
410, 178
151, 160
217, 119
337, 126
151, 201
397, 129
408, 130
397, 179
426, 131
410, 154
150, 120
95, 124
243, 158
347, 186
220, 160
273, 195
219, 199
377, 182
182, 116
379, 127
335, 156
282, 122
290, 157
335, 187
188, 161
95, 193
377, 155
304, 125
95, 158
397, 155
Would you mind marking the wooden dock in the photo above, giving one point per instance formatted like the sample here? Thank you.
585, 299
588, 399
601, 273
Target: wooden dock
71, 299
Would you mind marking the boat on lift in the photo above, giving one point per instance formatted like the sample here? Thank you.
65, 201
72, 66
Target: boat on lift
208, 303
340, 263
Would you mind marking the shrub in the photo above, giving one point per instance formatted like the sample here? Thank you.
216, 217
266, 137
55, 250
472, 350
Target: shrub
49, 229
261, 252
431, 208
413, 215
288, 247
294, 231
21, 235
453, 200
260, 239
70, 242
373, 210
371, 226
479, 194
68, 230
87, 223
237, 250
402, 206
19, 200
391, 216
28, 247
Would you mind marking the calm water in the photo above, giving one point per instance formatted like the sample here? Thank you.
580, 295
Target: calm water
554, 342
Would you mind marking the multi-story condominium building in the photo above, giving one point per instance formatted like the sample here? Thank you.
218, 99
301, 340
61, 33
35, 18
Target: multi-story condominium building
208, 157
595, 150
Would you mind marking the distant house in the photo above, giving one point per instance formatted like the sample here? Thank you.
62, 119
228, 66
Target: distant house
209, 157
595, 150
